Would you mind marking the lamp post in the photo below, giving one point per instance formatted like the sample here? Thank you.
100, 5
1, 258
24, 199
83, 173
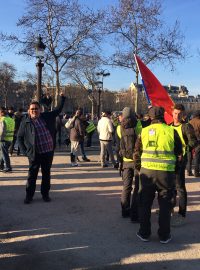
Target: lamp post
39, 48
102, 74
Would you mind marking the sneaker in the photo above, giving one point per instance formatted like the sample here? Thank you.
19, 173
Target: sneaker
86, 159
46, 198
177, 220
142, 238
7, 170
166, 240
190, 174
116, 166
104, 165
74, 165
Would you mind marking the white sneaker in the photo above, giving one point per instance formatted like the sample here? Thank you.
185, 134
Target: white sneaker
74, 164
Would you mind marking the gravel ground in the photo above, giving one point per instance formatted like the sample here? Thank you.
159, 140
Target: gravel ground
82, 227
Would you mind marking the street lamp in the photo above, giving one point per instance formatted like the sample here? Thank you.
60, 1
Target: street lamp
39, 48
102, 74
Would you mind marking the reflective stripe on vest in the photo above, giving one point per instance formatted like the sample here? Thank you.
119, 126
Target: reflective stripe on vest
10, 126
158, 148
91, 127
179, 130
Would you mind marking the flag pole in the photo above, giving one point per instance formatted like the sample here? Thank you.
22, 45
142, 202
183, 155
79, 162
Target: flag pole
147, 97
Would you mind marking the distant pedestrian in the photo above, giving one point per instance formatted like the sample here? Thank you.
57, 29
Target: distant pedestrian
36, 138
7, 134
105, 130
195, 122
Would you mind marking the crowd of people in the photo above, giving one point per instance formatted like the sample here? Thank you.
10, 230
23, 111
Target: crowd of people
152, 157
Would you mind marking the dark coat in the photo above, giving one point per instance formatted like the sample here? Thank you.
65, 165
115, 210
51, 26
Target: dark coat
195, 122
77, 132
26, 133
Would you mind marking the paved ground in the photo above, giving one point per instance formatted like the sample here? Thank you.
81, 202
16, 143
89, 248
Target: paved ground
82, 227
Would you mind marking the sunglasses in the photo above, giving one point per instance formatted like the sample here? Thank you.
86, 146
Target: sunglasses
34, 109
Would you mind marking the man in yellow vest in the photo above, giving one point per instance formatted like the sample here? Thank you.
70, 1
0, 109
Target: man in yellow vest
90, 129
188, 138
6, 140
156, 151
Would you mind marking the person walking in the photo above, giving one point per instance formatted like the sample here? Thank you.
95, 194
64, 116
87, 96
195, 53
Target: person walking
6, 140
77, 132
188, 139
195, 122
156, 152
18, 118
105, 130
36, 138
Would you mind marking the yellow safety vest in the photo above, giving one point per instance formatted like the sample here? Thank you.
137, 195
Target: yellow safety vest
179, 130
10, 127
158, 148
91, 127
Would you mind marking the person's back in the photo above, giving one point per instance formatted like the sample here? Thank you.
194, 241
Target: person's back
105, 129
195, 122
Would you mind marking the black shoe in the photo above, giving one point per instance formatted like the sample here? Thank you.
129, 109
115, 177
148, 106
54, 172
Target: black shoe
190, 174
165, 240
46, 198
116, 166
7, 170
125, 213
27, 200
142, 238
197, 174
104, 165
86, 159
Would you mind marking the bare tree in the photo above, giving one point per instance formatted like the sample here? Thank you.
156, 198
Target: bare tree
138, 28
82, 71
7, 75
67, 30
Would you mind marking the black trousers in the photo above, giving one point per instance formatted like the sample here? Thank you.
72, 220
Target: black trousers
151, 182
44, 161
181, 188
127, 204
197, 160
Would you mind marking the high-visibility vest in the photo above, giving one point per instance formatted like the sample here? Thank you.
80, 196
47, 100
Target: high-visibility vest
138, 128
10, 127
115, 121
158, 148
179, 130
91, 127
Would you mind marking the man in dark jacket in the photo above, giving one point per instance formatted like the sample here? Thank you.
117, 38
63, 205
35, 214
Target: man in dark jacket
36, 138
127, 135
188, 139
195, 122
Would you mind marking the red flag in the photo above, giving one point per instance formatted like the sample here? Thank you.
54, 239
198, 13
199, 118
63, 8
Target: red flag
155, 91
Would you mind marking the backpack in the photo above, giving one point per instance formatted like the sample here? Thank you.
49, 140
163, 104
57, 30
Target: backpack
127, 142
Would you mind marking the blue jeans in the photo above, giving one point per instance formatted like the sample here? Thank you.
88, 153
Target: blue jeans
5, 159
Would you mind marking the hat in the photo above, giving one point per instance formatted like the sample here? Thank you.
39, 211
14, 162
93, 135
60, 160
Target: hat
127, 112
156, 112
